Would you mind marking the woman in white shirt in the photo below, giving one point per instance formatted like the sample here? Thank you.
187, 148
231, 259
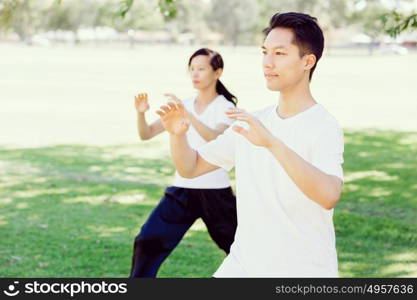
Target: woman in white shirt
209, 196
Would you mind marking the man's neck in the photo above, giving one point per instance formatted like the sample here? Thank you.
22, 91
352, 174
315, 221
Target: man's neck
295, 100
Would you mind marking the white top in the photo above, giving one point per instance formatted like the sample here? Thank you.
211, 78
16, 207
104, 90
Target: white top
212, 116
281, 232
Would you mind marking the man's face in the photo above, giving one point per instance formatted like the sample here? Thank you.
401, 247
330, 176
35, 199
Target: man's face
283, 67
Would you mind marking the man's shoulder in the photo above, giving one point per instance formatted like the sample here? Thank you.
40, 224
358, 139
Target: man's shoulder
322, 124
324, 118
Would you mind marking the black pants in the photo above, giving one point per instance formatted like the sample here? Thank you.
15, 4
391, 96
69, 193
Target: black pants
171, 219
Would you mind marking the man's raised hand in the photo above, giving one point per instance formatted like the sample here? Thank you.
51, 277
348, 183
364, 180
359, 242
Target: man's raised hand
173, 117
257, 134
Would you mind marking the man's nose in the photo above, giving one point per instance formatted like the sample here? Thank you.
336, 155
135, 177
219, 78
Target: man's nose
268, 62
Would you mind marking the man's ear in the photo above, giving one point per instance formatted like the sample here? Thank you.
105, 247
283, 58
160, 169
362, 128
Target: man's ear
310, 61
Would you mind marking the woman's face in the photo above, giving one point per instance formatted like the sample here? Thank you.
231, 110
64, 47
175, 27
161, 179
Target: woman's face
202, 74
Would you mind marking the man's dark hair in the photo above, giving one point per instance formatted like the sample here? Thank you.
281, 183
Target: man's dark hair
308, 36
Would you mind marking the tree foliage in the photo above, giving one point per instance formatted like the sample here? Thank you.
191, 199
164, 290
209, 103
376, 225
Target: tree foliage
395, 22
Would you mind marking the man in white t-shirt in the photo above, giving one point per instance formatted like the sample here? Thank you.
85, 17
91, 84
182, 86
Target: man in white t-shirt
288, 160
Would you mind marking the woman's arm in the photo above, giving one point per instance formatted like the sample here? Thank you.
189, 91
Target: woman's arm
146, 131
206, 132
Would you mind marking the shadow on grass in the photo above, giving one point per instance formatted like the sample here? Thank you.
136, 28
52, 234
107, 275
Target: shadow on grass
376, 219
73, 210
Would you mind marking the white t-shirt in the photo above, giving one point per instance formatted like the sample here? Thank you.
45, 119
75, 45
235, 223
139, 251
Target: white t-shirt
213, 115
281, 232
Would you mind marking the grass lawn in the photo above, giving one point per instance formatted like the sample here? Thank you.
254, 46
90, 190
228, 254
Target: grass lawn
73, 210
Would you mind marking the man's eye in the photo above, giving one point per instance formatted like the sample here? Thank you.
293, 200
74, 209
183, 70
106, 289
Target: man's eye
264, 52
279, 53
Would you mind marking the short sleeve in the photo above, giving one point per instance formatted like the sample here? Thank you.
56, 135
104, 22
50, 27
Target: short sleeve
328, 150
221, 117
221, 151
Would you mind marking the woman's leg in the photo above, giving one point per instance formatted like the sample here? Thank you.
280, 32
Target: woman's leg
161, 233
219, 214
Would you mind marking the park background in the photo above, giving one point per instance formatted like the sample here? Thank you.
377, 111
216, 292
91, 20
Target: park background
76, 183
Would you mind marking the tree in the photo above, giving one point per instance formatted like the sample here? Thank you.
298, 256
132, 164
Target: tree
369, 20
24, 17
189, 18
141, 15
70, 15
168, 8
236, 19
28, 13
395, 22
330, 13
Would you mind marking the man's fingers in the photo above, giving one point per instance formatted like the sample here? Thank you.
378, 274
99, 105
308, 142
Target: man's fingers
232, 110
245, 117
240, 130
170, 95
160, 113
237, 113
172, 105
239, 116
180, 105
165, 108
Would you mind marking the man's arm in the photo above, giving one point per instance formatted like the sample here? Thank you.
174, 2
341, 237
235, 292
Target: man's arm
188, 162
203, 130
320, 187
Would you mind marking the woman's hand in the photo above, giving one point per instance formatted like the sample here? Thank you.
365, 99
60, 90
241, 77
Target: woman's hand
141, 103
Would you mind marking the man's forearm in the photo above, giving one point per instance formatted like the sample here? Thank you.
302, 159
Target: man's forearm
318, 186
185, 158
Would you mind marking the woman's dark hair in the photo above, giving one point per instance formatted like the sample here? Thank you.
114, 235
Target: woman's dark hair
216, 62
308, 36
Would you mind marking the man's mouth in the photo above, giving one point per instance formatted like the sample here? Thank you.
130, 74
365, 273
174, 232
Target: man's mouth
270, 75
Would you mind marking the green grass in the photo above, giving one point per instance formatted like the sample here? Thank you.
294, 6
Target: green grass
74, 210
